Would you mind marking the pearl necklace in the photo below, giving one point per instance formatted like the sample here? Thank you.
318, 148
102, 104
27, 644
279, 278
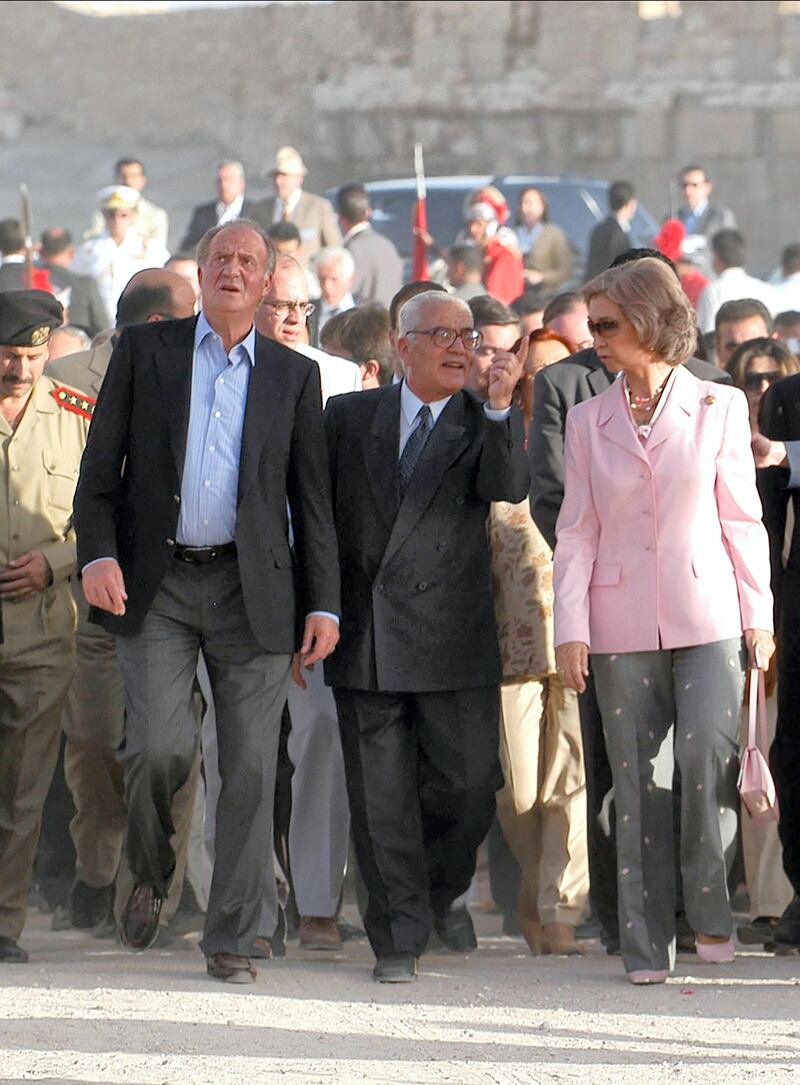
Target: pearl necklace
646, 404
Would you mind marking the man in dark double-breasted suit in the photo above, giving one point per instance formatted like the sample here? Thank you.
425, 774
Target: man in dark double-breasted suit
203, 432
414, 467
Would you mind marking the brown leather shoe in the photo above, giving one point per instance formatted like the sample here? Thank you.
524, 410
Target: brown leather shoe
230, 968
319, 932
559, 939
138, 927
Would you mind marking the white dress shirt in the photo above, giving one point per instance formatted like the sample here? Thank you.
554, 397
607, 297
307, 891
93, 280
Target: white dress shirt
732, 284
229, 212
410, 404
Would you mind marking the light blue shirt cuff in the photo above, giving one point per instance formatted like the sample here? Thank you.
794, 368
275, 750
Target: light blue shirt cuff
497, 416
793, 456
323, 614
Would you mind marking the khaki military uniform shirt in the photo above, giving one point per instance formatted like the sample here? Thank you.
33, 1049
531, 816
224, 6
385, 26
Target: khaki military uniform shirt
39, 463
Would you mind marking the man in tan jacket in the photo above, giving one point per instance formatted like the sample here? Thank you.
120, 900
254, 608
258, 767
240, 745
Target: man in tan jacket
43, 426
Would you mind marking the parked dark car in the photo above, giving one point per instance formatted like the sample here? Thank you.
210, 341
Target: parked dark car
577, 205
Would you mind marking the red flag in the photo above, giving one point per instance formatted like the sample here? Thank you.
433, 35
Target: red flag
419, 260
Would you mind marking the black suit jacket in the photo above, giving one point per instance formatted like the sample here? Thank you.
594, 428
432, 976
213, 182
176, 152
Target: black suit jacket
417, 610
128, 495
780, 421
608, 241
204, 217
557, 388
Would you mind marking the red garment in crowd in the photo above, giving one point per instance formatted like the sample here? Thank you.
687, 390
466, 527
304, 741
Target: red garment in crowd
502, 271
693, 283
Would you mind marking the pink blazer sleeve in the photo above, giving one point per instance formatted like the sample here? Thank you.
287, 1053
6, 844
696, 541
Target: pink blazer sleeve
577, 533
740, 516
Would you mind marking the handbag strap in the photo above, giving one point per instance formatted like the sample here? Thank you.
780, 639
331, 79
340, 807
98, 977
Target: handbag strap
757, 704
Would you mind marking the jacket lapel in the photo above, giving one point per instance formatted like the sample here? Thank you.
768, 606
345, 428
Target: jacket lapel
682, 403
598, 377
265, 392
615, 422
382, 446
173, 362
447, 441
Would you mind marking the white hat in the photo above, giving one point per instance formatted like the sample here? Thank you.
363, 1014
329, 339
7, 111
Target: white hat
288, 160
117, 198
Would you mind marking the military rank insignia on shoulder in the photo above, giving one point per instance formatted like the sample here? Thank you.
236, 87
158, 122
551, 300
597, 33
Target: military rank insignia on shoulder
74, 401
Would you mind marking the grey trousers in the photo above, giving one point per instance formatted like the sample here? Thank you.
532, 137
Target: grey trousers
200, 607
660, 707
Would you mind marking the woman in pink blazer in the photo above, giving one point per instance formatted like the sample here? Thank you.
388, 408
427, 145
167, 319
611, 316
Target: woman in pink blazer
662, 575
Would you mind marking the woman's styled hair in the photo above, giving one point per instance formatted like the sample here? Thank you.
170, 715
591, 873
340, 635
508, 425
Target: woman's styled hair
762, 347
651, 297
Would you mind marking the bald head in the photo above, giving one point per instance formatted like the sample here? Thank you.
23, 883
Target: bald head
155, 294
282, 314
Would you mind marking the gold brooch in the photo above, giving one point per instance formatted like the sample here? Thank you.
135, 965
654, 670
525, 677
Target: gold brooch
40, 335
709, 400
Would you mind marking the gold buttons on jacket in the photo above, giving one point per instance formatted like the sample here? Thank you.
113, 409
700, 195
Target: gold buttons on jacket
709, 400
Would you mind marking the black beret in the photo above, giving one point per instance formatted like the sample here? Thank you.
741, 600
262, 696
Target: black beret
27, 317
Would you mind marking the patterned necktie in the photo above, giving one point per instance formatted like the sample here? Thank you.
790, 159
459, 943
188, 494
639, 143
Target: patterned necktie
414, 446
286, 216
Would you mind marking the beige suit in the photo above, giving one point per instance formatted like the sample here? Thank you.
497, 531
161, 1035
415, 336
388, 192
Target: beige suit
94, 719
551, 255
39, 464
313, 216
542, 807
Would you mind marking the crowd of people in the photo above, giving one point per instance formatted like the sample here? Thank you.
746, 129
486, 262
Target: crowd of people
296, 553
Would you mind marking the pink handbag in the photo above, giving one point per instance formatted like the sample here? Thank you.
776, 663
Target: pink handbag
756, 786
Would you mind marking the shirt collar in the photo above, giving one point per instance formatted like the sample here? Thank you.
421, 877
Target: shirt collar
411, 403
359, 228
248, 344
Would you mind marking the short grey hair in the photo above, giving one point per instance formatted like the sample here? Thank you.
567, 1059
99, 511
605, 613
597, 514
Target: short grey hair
336, 252
204, 244
233, 164
412, 310
651, 297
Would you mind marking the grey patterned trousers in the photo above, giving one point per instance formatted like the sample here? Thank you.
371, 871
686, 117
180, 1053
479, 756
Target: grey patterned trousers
658, 708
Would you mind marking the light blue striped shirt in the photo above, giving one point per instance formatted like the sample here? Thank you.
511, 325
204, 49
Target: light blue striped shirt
210, 482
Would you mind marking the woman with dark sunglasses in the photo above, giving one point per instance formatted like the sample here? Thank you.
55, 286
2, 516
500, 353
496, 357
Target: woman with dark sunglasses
662, 579
755, 366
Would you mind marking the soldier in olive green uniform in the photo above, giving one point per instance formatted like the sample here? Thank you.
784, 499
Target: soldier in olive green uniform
43, 426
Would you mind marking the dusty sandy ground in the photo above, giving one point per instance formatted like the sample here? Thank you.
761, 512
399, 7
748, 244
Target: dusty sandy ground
85, 1010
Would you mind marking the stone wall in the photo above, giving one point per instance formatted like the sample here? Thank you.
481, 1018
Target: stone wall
528, 86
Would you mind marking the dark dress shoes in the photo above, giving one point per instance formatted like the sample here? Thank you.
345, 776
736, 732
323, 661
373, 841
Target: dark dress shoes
138, 927
787, 930
89, 907
10, 952
230, 968
456, 930
398, 968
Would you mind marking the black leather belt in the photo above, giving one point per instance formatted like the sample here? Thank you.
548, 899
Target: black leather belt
202, 555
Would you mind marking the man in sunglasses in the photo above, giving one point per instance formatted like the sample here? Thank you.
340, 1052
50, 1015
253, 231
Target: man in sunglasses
701, 218
414, 467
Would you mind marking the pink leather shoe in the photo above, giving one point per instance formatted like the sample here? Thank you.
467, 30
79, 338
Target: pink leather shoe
716, 952
643, 977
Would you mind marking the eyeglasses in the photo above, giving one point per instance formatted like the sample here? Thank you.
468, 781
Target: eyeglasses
299, 308
753, 381
605, 328
445, 337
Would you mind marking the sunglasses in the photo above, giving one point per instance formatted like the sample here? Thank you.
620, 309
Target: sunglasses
753, 381
605, 328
